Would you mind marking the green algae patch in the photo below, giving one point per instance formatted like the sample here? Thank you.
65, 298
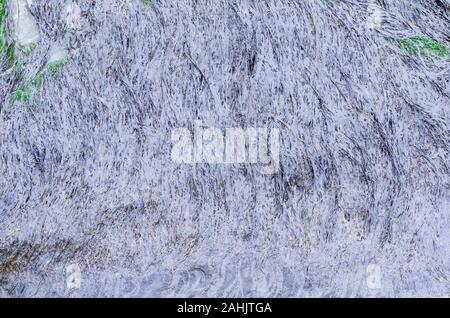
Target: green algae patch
29, 92
55, 68
24, 94
307, 226
3, 10
423, 45
7, 50
30, 48
11, 56
145, 3
37, 82
326, 2
20, 95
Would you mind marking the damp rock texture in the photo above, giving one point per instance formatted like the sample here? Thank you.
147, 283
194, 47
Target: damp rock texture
92, 205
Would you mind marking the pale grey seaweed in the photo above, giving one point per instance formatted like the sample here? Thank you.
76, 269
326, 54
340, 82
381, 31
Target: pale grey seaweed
358, 89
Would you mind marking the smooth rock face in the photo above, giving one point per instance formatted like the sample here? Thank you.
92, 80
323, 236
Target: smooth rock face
26, 29
92, 204
57, 53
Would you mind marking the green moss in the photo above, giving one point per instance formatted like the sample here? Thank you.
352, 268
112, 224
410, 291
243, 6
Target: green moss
422, 45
